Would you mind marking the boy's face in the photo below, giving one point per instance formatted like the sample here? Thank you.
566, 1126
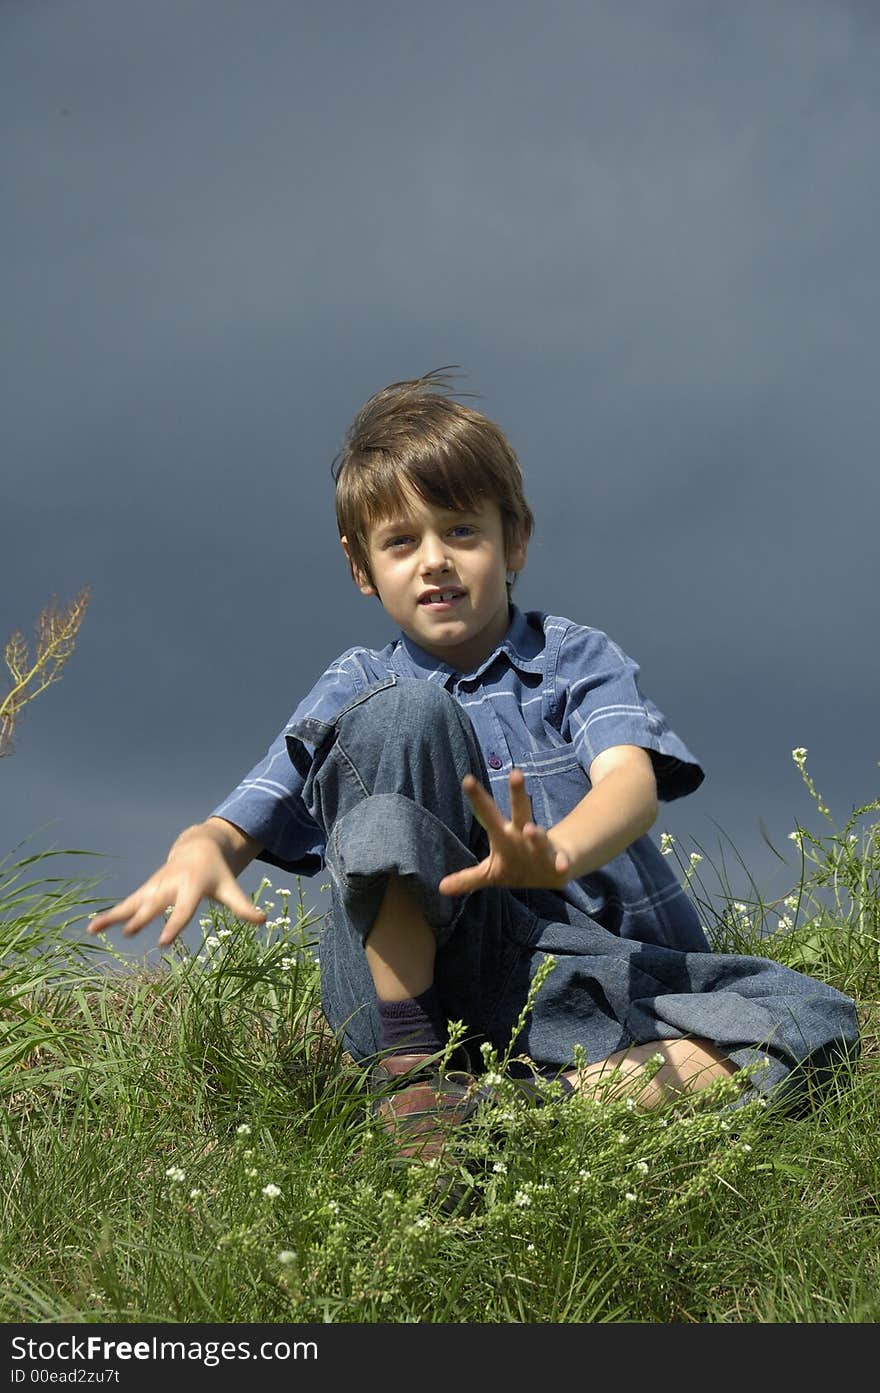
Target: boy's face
429, 549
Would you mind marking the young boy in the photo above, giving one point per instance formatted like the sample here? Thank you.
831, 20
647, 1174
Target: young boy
481, 791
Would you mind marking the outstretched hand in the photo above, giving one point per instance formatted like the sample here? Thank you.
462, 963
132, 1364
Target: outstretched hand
521, 853
197, 870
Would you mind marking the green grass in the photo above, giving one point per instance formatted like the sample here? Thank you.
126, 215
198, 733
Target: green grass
189, 1145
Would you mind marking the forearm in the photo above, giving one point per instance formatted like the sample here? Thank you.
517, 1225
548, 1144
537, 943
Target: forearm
237, 848
609, 819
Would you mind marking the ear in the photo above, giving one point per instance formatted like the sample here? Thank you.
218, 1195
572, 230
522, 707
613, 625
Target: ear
360, 579
517, 556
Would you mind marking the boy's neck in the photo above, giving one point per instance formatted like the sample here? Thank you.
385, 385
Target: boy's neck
464, 659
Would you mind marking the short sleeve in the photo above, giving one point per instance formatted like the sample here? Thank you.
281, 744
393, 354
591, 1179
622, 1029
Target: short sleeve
599, 705
268, 803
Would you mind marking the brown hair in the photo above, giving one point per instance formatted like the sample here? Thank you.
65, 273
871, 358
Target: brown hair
412, 435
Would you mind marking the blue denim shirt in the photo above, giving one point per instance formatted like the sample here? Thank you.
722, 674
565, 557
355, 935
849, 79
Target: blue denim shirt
551, 697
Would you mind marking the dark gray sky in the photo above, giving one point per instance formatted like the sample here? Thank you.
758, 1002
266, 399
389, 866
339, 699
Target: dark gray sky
646, 231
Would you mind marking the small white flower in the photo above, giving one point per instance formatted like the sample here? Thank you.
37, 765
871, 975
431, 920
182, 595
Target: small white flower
224, 933
195, 1194
251, 1172
486, 1048
530, 1247
696, 858
243, 1130
740, 907
333, 1206
642, 1166
745, 1146
630, 1104
658, 1058
799, 755
785, 922
271, 1191
667, 842
796, 837
287, 1256
205, 923
500, 1168
522, 1198
287, 964
791, 902
492, 1078
176, 1174
212, 941
630, 1196
285, 892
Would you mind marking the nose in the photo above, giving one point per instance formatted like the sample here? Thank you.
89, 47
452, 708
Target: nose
433, 553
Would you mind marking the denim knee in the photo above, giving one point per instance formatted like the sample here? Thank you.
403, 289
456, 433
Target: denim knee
410, 706
404, 737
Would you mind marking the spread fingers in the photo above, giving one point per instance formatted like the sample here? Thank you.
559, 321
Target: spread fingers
520, 802
484, 805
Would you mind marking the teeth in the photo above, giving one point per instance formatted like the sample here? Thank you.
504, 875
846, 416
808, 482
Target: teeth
444, 595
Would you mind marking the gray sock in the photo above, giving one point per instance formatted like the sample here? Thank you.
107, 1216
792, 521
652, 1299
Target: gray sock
412, 1026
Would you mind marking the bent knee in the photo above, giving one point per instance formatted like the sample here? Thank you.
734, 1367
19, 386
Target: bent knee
410, 706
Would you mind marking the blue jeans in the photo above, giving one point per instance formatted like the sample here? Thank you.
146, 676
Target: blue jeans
385, 787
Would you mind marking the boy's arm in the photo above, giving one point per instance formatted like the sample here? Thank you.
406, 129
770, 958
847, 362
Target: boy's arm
621, 806
204, 861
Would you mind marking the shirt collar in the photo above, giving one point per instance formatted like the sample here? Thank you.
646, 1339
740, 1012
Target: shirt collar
523, 645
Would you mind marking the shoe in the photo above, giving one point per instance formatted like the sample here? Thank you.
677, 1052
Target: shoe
418, 1106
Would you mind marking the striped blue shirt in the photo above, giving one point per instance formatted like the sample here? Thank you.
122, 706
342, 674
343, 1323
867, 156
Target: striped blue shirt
551, 697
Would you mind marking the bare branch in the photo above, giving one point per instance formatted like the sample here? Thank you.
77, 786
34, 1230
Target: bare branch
57, 628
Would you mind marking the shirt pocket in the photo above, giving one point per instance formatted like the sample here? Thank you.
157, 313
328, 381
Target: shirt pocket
555, 781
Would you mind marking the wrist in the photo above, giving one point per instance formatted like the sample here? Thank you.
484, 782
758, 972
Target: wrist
559, 844
235, 846
190, 836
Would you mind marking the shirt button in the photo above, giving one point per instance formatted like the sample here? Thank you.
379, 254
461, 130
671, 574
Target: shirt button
493, 761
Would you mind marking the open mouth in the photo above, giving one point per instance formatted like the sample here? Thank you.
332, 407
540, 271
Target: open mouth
445, 600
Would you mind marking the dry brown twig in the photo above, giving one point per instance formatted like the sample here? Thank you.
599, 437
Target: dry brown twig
57, 628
